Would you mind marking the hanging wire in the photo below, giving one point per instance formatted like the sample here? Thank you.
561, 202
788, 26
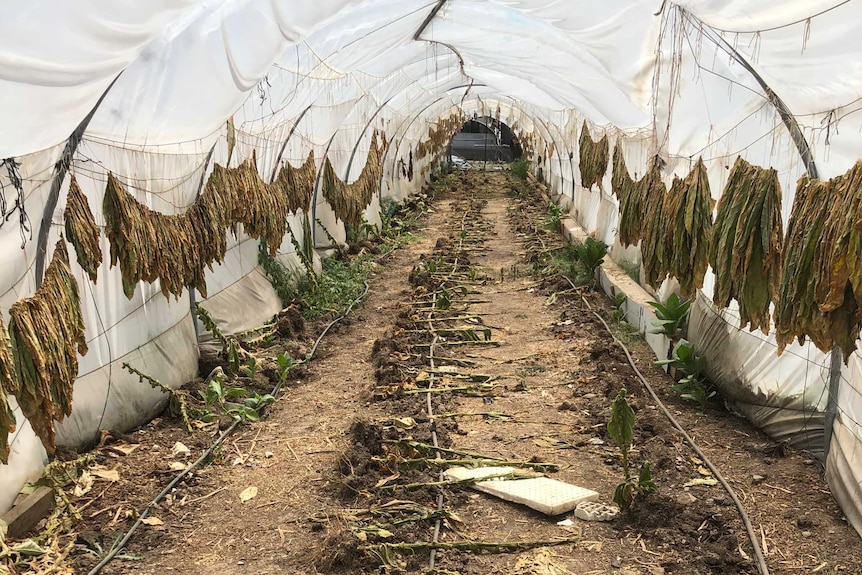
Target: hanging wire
780, 26
18, 185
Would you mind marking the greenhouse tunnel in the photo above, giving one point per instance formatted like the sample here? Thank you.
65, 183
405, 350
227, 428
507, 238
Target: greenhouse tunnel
148, 108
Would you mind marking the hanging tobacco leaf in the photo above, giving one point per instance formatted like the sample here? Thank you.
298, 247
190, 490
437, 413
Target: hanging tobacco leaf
593, 158
746, 249
630, 199
176, 249
8, 382
46, 333
298, 184
654, 228
439, 136
349, 200
688, 212
821, 284
82, 231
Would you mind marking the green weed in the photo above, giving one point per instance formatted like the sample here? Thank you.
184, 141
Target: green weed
520, 168
672, 316
340, 282
693, 386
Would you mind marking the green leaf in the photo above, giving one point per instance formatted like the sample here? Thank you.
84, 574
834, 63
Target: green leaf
622, 423
645, 480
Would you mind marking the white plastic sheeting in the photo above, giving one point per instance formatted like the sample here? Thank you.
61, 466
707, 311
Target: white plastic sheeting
660, 77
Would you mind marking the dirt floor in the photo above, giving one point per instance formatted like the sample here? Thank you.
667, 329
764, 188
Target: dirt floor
340, 463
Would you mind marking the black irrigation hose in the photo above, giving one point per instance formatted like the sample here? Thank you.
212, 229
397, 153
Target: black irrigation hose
208, 453
758, 553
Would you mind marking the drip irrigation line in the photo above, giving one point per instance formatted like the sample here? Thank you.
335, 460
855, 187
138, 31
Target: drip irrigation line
336, 320
208, 453
758, 552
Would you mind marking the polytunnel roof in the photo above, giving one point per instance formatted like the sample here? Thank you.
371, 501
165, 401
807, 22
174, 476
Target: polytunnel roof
172, 71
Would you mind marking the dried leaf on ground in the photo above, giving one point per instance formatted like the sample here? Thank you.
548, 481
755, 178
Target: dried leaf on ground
248, 493
152, 521
107, 474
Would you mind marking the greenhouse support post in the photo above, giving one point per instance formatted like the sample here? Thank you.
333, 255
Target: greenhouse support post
832, 398
193, 304
60, 169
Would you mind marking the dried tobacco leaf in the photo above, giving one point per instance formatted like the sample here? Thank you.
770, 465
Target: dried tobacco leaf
82, 231
349, 200
746, 248
261, 209
688, 211
8, 382
439, 136
654, 228
630, 199
175, 249
821, 288
46, 333
593, 158
298, 184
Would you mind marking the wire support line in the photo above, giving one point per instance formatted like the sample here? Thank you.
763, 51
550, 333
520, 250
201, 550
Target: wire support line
780, 26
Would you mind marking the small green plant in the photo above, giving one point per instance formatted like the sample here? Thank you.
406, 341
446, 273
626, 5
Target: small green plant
100, 553
632, 269
672, 316
388, 208
693, 385
285, 364
218, 398
519, 168
250, 368
621, 428
443, 301
340, 283
555, 216
591, 254
619, 300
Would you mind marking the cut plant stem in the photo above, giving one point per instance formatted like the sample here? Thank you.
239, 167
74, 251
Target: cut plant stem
479, 547
471, 462
485, 414
451, 360
451, 343
458, 482
473, 390
427, 448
